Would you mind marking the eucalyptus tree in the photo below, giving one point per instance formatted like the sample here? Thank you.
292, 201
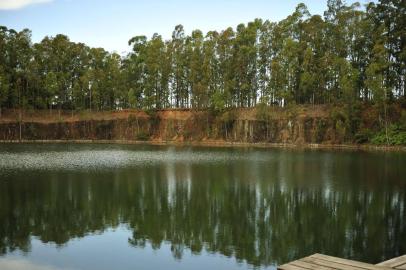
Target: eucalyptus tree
166, 71
245, 64
376, 80
101, 96
312, 81
4, 87
180, 94
4, 76
155, 57
54, 57
210, 67
17, 50
351, 55
276, 80
264, 62
199, 86
226, 73
134, 68
391, 14
150, 65
290, 54
80, 54
112, 82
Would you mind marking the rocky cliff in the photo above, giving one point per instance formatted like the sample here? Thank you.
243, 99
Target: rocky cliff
308, 125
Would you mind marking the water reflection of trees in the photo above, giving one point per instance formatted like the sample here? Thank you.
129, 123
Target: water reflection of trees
265, 221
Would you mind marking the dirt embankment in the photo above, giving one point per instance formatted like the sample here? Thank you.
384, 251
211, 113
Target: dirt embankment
312, 126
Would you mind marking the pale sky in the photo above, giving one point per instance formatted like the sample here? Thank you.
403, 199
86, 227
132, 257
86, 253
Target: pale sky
111, 23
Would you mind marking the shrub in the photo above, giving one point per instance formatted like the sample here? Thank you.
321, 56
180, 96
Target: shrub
363, 136
341, 130
402, 120
338, 114
262, 112
395, 136
321, 128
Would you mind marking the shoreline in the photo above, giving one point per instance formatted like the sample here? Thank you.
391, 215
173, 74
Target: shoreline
214, 143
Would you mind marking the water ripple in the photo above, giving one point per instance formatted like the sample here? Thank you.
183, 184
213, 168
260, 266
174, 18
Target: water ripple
113, 158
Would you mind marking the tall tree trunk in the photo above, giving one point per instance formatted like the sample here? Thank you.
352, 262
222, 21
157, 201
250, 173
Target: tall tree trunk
90, 105
386, 118
19, 122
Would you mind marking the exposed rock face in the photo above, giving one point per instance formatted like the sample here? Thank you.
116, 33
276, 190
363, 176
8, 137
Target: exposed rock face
182, 126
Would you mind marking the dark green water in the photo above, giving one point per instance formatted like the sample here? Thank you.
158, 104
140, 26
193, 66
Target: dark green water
150, 207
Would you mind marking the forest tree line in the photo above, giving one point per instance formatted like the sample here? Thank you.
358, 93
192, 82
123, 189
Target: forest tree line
351, 54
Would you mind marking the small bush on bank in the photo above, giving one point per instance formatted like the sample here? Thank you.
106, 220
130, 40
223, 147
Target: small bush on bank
363, 136
395, 136
402, 120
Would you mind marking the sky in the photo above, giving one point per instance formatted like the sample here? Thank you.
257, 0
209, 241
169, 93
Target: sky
111, 23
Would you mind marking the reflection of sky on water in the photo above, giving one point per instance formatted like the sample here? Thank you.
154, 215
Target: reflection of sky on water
24, 264
109, 250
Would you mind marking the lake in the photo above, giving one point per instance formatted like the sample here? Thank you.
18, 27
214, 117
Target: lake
67, 206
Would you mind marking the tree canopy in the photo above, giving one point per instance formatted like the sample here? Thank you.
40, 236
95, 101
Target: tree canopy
351, 54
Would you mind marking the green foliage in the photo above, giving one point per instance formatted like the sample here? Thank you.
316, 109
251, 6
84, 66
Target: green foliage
292, 111
350, 55
132, 98
395, 135
321, 128
4, 88
262, 112
342, 123
341, 130
218, 102
402, 120
363, 136
347, 121
338, 114
376, 76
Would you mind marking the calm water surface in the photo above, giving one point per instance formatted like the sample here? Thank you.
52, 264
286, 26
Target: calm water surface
157, 207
